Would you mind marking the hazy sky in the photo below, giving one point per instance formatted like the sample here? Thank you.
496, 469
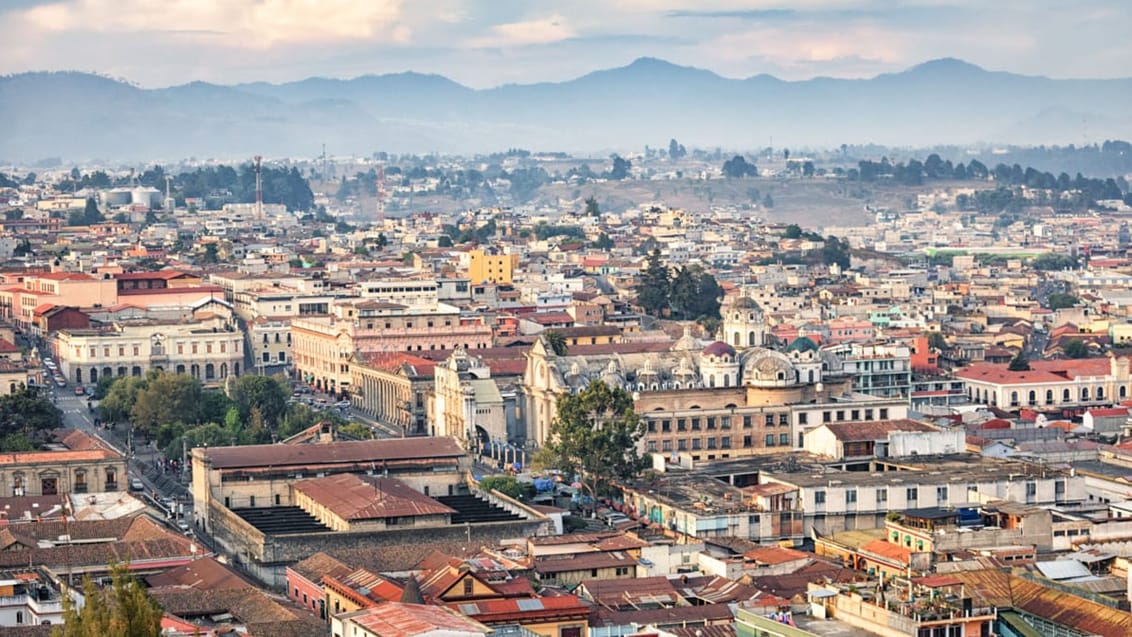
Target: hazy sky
490, 42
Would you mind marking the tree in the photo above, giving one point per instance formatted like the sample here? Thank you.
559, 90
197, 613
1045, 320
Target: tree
652, 294
620, 169
267, 393
793, 231
124, 609
737, 167
166, 398
509, 486
594, 437
556, 342
603, 243
1075, 348
592, 207
937, 341
1019, 363
26, 420
1059, 300
120, 398
676, 150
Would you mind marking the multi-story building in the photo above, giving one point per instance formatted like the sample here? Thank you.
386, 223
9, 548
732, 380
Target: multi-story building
269, 345
85, 465
323, 346
877, 370
488, 266
394, 388
210, 349
706, 403
1069, 386
468, 404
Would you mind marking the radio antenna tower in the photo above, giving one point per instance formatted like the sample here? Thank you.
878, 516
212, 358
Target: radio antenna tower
258, 164
381, 195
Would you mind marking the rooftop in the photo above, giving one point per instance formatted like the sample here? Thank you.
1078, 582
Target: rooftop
353, 497
345, 452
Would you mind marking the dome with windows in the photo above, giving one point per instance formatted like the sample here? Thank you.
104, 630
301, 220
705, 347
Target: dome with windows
719, 349
768, 368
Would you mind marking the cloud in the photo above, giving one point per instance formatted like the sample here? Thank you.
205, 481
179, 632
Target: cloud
516, 34
252, 24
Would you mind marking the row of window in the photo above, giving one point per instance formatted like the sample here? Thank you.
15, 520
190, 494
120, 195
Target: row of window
722, 442
156, 349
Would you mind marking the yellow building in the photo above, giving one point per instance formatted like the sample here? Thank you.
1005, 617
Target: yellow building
489, 267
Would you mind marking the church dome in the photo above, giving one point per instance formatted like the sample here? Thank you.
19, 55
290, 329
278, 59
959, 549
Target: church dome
802, 344
719, 349
767, 367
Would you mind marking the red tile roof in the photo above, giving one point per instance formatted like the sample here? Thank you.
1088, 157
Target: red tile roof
1051, 371
352, 497
394, 619
872, 431
346, 452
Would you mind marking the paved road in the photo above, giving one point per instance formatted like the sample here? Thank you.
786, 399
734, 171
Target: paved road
77, 415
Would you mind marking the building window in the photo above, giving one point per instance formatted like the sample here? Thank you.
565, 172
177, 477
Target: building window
666, 445
850, 497
681, 424
783, 419
469, 585
882, 496
840, 415
884, 413
769, 420
711, 423
746, 422
819, 497
804, 418
770, 440
725, 442
784, 440
941, 494
696, 444
711, 443
747, 442
868, 414
682, 444
912, 494
651, 446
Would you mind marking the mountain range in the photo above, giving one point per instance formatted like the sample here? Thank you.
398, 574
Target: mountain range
79, 116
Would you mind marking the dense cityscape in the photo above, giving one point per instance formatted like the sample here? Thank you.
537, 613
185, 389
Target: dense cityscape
680, 388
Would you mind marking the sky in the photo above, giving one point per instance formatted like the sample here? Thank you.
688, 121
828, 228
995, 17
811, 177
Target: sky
484, 43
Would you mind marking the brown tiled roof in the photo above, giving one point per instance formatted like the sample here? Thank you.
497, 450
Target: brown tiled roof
582, 562
795, 583
677, 615
252, 607
332, 452
353, 497
202, 573
877, 430
399, 558
320, 564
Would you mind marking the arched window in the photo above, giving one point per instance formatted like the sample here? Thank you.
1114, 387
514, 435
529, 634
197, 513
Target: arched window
135, 371
735, 340
726, 380
93, 375
1123, 392
122, 371
1013, 399
711, 380
1066, 396
1084, 393
78, 375
180, 369
751, 338
1049, 396
1033, 397
781, 376
1100, 393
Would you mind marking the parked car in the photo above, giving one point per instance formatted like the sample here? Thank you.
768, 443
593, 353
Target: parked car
79, 391
136, 485
342, 404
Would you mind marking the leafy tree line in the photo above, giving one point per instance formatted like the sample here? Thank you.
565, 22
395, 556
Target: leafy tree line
90, 214
168, 407
225, 184
738, 167
689, 293
914, 173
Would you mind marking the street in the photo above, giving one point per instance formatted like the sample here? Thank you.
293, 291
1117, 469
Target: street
77, 415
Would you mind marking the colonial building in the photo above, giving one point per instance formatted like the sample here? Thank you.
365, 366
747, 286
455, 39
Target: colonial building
468, 402
744, 324
710, 402
209, 348
323, 346
87, 465
1069, 386
394, 388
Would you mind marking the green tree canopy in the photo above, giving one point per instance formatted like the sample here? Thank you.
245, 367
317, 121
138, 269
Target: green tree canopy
123, 609
737, 167
594, 437
26, 420
267, 393
1076, 348
592, 207
1019, 363
652, 293
557, 342
1058, 300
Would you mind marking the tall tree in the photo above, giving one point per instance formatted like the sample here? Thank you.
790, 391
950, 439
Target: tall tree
267, 393
124, 609
592, 207
556, 342
594, 437
167, 398
652, 294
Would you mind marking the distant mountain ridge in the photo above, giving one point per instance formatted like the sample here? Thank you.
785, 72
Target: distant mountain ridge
79, 116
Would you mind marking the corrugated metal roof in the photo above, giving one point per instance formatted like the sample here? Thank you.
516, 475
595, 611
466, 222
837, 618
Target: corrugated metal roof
1062, 569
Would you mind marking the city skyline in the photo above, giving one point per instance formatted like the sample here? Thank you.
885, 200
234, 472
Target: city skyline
484, 44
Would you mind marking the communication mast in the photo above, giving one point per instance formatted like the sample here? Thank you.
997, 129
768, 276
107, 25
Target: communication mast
258, 164
381, 195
